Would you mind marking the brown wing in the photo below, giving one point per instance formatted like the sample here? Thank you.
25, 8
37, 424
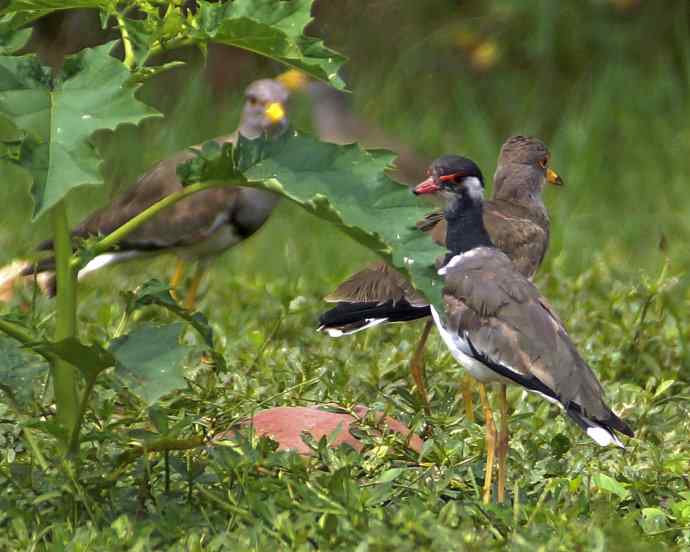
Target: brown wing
435, 225
376, 283
521, 234
505, 318
184, 223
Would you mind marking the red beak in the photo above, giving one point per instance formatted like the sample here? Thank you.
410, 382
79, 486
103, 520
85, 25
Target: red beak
429, 186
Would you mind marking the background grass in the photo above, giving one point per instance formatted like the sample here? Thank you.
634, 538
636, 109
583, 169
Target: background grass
605, 85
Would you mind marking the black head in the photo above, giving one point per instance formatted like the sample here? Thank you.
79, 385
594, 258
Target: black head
452, 175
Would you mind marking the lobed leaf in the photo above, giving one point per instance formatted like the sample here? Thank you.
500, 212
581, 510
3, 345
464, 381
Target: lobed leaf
271, 28
344, 185
57, 117
149, 360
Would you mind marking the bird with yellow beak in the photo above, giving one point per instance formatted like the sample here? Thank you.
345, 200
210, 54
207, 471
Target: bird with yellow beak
200, 226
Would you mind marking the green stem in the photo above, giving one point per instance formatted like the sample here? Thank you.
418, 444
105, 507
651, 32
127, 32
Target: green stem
64, 374
129, 60
16, 331
74, 439
112, 239
159, 47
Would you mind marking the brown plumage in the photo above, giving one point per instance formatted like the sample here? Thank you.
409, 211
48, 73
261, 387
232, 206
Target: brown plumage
500, 329
516, 219
508, 322
201, 225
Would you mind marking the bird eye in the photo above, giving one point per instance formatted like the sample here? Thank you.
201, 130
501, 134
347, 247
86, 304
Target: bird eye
543, 162
252, 100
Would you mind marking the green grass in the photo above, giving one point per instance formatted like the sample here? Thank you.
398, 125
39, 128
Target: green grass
619, 131
250, 497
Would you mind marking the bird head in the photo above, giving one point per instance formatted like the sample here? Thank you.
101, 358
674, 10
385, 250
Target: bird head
452, 175
525, 151
264, 109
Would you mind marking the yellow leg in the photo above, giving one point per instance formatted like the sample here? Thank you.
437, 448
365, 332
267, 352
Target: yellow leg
177, 276
490, 428
190, 300
417, 366
503, 446
466, 387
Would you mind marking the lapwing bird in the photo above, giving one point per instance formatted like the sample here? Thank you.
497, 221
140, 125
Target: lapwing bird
517, 221
200, 226
500, 329
334, 120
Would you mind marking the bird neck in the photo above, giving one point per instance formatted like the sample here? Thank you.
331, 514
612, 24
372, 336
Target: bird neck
519, 184
466, 228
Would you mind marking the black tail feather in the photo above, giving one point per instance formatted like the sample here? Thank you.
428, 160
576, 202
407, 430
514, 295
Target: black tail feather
354, 315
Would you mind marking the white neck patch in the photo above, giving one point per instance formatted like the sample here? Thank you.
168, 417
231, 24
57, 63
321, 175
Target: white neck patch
474, 188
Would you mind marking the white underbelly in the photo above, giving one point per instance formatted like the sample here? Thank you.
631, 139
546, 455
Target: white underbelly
478, 370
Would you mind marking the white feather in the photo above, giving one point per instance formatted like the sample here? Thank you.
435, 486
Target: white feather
335, 332
105, 259
456, 260
461, 352
603, 437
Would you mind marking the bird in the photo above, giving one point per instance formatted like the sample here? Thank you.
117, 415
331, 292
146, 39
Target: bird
499, 327
517, 221
335, 121
198, 227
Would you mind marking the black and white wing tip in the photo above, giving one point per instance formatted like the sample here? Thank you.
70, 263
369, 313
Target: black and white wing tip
349, 329
348, 318
601, 431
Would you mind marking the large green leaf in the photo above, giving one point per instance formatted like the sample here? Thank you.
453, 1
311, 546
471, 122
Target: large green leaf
19, 13
345, 185
149, 360
58, 117
272, 28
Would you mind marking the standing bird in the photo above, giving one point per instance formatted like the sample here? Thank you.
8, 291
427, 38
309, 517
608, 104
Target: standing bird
200, 226
499, 327
335, 121
516, 219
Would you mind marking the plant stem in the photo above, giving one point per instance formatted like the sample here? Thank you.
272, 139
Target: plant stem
129, 60
74, 438
64, 374
16, 331
112, 239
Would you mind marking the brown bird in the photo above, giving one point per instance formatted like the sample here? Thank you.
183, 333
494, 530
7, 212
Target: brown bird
499, 327
200, 226
335, 121
516, 219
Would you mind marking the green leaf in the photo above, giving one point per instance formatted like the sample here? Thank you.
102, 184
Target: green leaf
606, 483
272, 28
155, 292
159, 419
150, 360
58, 117
344, 185
663, 387
19, 370
11, 38
390, 475
91, 360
